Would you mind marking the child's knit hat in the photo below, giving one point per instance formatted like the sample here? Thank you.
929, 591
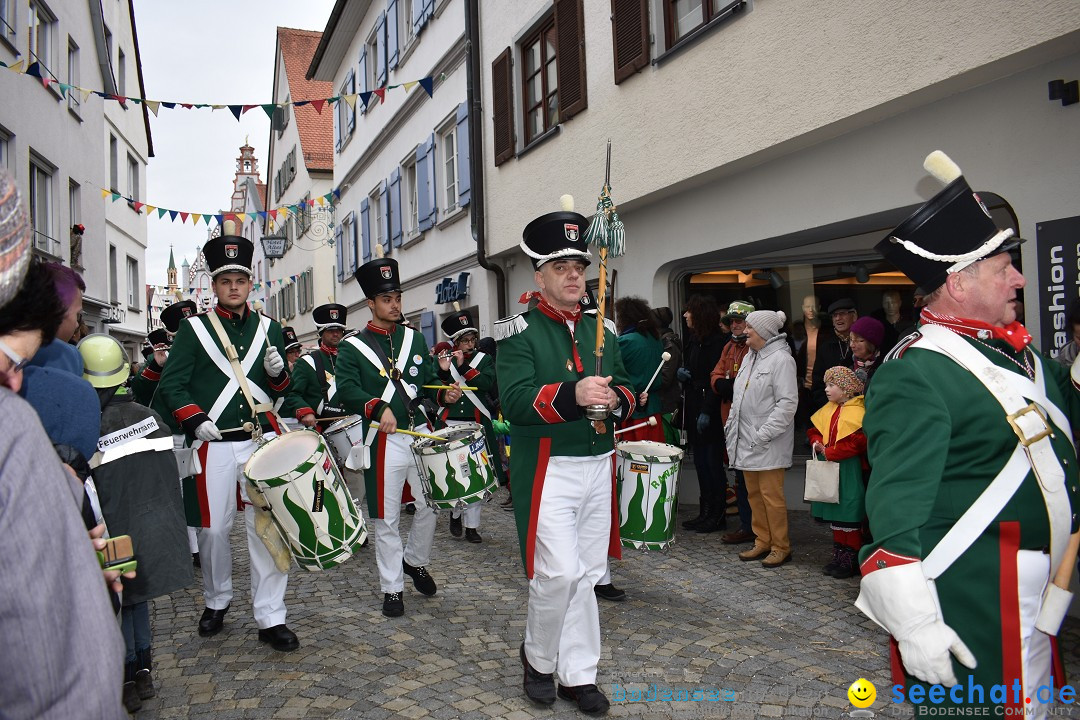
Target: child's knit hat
845, 379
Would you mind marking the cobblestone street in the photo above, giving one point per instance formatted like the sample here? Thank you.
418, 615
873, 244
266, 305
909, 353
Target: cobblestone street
778, 643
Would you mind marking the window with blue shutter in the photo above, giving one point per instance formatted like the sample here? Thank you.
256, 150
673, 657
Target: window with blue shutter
380, 51
384, 215
363, 79
429, 10
392, 53
340, 254
365, 228
463, 172
395, 207
432, 205
423, 184
427, 327
351, 111
419, 19
350, 238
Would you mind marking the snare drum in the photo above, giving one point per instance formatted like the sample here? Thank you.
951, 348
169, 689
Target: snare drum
342, 437
309, 500
647, 482
457, 472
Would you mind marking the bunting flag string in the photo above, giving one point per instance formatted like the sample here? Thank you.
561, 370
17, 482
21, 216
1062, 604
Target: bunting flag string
278, 213
283, 282
237, 109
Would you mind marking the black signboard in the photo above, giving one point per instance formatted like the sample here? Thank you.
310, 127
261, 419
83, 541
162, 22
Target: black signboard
1058, 247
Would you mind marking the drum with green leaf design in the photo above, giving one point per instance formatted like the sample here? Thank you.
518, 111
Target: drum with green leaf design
309, 501
647, 483
457, 471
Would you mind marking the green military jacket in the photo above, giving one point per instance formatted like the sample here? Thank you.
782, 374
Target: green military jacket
478, 372
316, 395
362, 389
936, 439
538, 371
198, 383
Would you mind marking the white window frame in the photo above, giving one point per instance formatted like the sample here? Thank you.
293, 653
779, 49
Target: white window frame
74, 202
132, 177
405, 29
9, 21
41, 31
121, 75
74, 99
345, 133
372, 81
374, 218
5, 149
114, 164
448, 153
410, 201
42, 182
114, 290
133, 283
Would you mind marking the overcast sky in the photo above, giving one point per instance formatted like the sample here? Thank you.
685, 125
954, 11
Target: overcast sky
212, 52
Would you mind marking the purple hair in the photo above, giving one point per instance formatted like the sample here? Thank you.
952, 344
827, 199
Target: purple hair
66, 281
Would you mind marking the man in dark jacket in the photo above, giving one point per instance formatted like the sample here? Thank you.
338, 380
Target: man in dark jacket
833, 350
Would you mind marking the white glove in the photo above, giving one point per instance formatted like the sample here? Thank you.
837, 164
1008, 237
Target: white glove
899, 600
272, 362
208, 431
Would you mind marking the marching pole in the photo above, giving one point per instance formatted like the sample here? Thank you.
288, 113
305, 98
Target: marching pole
651, 421
663, 359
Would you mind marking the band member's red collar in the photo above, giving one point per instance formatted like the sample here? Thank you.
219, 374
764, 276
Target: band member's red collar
378, 330
327, 349
229, 315
550, 310
1015, 334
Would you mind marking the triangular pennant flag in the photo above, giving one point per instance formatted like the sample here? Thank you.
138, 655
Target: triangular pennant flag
115, 196
186, 106
34, 70
86, 94
161, 212
236, 110
246, 108
428, 84
219, 219
172, 216
253, 216
336, 193
195, 218
351, 99
262, 214
318, 104
365, 98
118, 98
17, 67
169, 105
105, 193
3, 64
199, 106
381, 92
184, 216
137, 206
153, 105
102, 95
409, 86
150, 209
206, 219
218, 107
269, 109
333, 99
137, 101
301, 103
64, 87
322, 201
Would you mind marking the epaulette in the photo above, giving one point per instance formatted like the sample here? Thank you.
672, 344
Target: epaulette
508, 327
904, 343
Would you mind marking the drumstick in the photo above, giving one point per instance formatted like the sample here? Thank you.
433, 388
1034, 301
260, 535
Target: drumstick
449, 387
651, 421
663, 359
415, 434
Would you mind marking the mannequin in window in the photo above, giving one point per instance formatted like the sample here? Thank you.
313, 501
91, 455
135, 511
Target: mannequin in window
892, 315
805, 335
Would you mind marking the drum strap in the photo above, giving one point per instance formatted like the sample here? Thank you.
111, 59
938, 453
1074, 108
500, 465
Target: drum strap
476, 401
403, 390
315, 360
239, 370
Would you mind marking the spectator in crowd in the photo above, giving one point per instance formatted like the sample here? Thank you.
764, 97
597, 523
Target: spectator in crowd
866, 338
703, 348
895, 317
761, 434
61, 663
833, 349
60, 353
641, 348
666, 384
836, 435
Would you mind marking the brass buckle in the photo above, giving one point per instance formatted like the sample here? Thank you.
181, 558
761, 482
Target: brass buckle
1024, 440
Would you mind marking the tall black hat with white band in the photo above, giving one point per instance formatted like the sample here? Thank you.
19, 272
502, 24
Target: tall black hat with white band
228, 252
378, 276
557, 236
950, 232
588, 302
158, 337
172, 316
291, 342
331, 315
456, 325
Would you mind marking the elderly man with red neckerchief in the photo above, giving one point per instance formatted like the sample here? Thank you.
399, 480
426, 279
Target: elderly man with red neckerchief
974, 477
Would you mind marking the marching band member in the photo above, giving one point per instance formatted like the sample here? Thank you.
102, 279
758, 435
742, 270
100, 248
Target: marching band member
562, 464
314, 377
380, 374
293, 348
201, 390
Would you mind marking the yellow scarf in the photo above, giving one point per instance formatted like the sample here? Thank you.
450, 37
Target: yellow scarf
850, 420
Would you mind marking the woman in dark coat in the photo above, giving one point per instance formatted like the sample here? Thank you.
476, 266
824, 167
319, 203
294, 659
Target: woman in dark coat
704, 344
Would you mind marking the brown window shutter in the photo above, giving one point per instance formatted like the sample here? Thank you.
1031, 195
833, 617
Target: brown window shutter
502, 103
629, 36
570, 57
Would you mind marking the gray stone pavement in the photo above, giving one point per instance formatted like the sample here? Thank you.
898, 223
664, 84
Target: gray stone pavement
778, 643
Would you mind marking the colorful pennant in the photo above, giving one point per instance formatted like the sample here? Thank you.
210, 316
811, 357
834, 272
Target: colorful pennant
278, 212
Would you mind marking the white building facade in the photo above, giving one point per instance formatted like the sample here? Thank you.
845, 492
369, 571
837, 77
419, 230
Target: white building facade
401, 165
64, 148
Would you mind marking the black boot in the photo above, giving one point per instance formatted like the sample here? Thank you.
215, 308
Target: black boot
715, 521
144, 683
132, 702
703, 514
849, 563
834, 564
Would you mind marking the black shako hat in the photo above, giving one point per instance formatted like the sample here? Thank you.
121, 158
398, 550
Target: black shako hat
588, 302
556, 236
950, 232
228, 253
290, 338
158, 337
147, 349
331, 315
172, 316
378, 276
456, 325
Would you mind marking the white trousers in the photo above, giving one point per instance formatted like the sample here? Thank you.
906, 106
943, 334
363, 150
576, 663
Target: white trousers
224, 473
471, 512
1033, 573
179, 442
562, 632
399, 467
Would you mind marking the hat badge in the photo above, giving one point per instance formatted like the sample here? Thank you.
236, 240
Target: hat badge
571, 230
333, 314
186, 311
231, 251
464, 321
585, 300
982, 205
386, 272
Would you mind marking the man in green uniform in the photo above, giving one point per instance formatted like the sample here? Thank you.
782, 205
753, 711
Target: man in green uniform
974, 477
470, 368
201, 390
315, 374
381, 372
562, 464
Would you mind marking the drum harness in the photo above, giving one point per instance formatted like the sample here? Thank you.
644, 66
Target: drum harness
474, 363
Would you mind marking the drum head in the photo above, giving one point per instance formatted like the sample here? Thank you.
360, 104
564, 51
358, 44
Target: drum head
342, 424
648, 448
282, 455
452, 434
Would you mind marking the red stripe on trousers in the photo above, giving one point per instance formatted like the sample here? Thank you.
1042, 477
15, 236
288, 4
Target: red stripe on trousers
614, 541
379, 479
534, 510
200, 485
1057, 664
1011, 660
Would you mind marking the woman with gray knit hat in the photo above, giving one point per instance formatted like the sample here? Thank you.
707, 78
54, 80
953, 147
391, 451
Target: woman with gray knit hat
760, 432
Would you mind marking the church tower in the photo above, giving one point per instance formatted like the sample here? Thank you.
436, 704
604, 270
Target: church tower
247, 165
172, 272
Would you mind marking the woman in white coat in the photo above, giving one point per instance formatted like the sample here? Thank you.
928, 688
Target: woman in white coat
760, 432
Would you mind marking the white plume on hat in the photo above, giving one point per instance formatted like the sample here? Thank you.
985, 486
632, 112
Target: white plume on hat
766, 323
